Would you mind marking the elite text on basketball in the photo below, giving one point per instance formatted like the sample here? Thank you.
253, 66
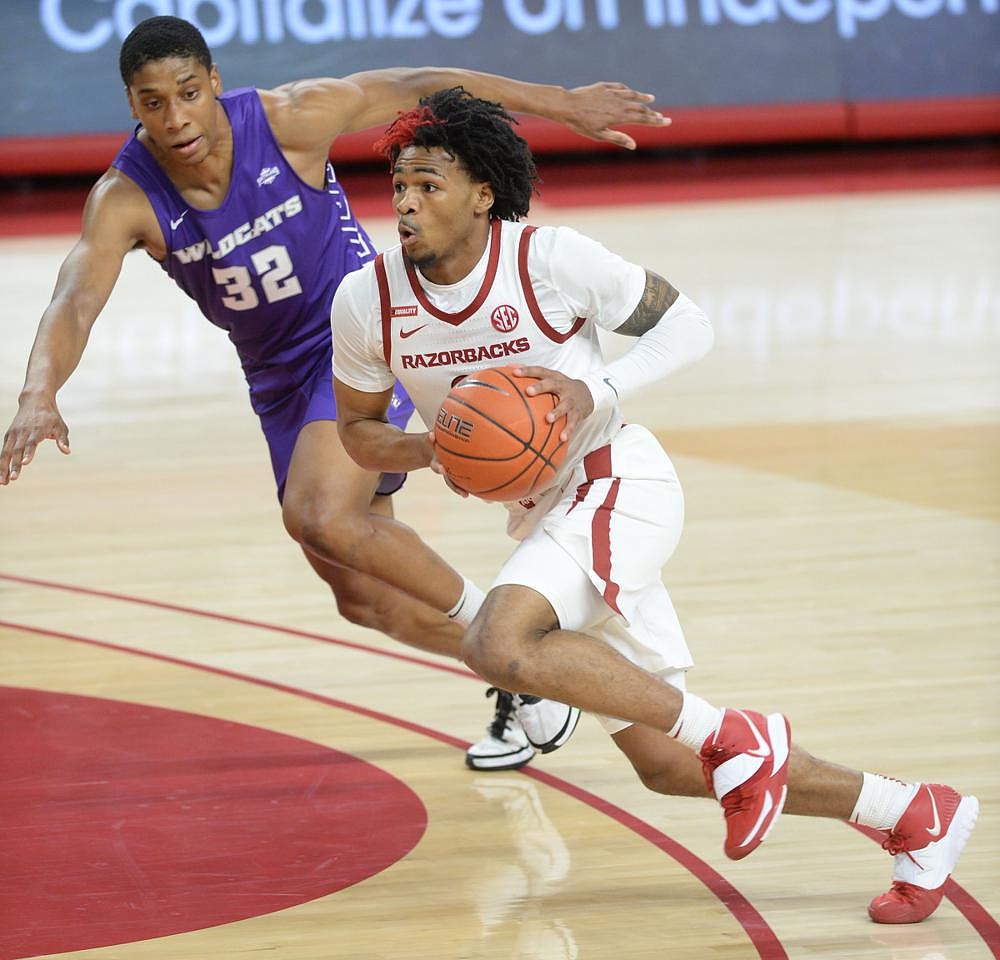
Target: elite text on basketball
454, 425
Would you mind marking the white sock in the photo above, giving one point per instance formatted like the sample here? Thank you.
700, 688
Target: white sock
697, 721
882, 801
468, 604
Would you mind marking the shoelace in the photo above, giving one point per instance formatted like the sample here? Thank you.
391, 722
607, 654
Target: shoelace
504, 711
904, 891
895, 844
709, 759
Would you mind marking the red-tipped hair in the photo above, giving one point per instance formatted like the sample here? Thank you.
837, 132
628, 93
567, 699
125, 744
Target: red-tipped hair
400, 132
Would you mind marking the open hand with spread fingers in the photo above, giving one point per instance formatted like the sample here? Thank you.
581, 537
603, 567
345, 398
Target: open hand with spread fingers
594, 109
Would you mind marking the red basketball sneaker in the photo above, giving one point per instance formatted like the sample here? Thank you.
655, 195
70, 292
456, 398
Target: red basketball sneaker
746, 766
926, 844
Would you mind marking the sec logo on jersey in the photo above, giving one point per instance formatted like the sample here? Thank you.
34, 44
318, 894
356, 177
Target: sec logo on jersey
504, 318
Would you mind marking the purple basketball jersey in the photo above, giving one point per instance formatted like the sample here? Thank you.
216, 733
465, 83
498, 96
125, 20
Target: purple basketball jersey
264, 266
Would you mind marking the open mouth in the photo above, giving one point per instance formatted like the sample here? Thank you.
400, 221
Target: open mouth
188, 147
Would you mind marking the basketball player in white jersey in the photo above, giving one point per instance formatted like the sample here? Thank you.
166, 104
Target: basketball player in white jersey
579, 613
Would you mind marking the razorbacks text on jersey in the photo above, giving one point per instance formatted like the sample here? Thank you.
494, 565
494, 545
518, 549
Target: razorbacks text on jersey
537, 297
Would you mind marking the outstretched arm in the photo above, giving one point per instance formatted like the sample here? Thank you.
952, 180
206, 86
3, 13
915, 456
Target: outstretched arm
85, 281
311, 112
591, 111
672, 332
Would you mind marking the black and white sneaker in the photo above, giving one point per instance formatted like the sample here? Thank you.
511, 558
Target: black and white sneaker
547, 724
505, 746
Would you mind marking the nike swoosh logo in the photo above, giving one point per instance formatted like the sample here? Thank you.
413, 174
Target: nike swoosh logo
607, 380
765, 809
403, 334
174, 224
936, 830
762, 749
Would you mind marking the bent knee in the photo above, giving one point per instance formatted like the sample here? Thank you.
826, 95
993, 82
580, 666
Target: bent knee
291, 517
360, 608
497, 653
479, 651
335, 535
655, 780
299, 513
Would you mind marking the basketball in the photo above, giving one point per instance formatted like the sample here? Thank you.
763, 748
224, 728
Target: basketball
492, 439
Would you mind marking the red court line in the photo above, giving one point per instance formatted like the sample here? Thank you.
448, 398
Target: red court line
763, 938
980, 919
242, 621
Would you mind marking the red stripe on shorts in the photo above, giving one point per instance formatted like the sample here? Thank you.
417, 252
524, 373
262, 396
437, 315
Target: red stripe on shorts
600, 532
597, 463
597, 466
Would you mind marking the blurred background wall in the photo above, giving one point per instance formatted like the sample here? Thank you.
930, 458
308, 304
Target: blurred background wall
727, 71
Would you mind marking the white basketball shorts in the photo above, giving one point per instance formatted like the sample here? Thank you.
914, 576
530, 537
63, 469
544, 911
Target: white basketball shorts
596, 554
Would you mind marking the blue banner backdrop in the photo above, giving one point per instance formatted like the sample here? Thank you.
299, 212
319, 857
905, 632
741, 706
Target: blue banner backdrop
60, 56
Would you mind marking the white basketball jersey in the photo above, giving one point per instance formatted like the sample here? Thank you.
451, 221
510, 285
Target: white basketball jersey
537, 297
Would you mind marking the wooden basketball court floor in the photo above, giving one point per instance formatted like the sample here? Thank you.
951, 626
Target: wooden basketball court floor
204, 760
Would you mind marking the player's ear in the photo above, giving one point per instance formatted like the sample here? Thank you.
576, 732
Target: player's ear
131, 102
215, 80
485, 197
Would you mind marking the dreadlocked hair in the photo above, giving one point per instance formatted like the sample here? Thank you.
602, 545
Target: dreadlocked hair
160, 38
480, 135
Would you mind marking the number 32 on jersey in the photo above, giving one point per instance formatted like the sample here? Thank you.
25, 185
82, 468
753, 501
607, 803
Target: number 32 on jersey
274, 272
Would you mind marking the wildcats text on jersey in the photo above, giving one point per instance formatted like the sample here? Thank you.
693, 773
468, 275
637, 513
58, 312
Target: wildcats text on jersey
447, 358
243, 233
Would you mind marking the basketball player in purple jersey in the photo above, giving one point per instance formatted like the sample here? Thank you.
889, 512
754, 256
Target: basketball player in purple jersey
233, 194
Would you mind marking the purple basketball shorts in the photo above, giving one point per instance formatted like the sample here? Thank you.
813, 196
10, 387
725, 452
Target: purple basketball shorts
314, 400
